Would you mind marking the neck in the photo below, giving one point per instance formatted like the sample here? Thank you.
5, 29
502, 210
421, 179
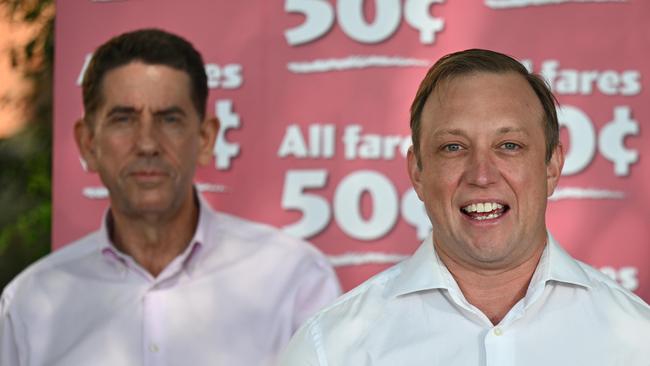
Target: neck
493, 291
154, 241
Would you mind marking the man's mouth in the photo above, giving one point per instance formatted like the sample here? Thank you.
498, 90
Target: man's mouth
148, 176
148, 173
484, 210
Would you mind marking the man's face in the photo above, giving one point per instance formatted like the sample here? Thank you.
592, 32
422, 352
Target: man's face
146, 138
484, 179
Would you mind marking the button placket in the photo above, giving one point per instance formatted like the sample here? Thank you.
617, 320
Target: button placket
499, 347
152, 327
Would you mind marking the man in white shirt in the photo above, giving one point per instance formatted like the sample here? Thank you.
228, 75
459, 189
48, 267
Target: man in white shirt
490, 286
166, 280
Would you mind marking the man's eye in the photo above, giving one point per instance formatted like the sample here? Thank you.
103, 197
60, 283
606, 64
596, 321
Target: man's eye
121, 118
452, 147
510, 146
171, 119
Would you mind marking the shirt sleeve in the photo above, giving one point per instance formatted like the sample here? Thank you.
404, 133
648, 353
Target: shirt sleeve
318, 288
8, 346
301, 350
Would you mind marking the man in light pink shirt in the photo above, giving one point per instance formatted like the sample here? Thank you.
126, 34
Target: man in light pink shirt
165, 280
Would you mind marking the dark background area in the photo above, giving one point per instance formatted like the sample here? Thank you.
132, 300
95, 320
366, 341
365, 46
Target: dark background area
26, 157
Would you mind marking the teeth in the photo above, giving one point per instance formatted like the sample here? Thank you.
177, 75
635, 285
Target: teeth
482, 207
490, 216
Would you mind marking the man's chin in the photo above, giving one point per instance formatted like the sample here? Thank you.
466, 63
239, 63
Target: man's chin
490, 257
135, 201
149, 206
485, 251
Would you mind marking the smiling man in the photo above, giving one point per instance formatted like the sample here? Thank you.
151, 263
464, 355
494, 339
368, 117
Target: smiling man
165, 280
490, 286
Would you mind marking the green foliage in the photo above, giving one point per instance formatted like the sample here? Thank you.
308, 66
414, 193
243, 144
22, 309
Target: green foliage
26, 158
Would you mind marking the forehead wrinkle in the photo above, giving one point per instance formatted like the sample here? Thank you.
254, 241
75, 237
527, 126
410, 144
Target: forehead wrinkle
445, 96
127, 87
448, 131
440, 97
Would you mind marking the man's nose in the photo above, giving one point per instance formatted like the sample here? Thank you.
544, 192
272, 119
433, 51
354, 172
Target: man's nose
481, 169
147, 137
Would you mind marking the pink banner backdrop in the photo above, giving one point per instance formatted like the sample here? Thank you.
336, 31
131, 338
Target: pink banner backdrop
313, 97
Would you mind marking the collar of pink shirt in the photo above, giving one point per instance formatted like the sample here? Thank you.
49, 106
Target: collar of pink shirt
185, 263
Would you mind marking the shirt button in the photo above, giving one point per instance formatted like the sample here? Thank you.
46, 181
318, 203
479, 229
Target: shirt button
153, 348
497, 331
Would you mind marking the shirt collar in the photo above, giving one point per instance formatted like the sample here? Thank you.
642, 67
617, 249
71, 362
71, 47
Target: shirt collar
422, 271
188, 258
557, 265
425, 271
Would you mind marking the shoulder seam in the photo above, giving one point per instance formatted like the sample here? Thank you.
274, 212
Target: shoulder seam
378, 279
613, 285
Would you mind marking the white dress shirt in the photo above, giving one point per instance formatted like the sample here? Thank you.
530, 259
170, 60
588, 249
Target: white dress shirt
234, 297
415, 314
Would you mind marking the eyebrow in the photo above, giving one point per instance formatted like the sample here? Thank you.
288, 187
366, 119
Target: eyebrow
460, 132
449, 131
120, 109
170, 110
132, 110
505, 130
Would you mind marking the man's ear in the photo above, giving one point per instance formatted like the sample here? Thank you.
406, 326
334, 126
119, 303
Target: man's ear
554, 169
85, 139
414, 171
208, 131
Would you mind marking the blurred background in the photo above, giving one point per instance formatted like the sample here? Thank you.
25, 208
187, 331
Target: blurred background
338, 91
26, 57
